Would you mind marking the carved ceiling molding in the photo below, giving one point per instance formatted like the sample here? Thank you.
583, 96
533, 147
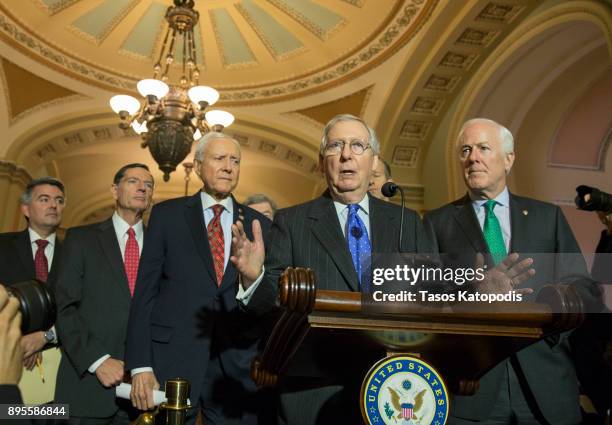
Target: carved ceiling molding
42, 151
447, 74
563, 13
14, 173
405, 23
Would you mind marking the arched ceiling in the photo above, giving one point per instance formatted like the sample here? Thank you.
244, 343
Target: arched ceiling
410, 68
251, 50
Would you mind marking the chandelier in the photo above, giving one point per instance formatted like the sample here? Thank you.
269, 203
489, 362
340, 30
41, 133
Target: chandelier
172, 116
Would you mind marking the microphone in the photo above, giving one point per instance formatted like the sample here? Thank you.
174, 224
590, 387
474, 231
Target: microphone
389, 189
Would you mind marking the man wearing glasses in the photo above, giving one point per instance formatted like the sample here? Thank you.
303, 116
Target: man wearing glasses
94, 291
334, 235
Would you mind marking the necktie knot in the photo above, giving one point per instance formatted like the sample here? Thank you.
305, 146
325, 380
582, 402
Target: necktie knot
131, 233
217, 209
353, 209
490, 205
42, 243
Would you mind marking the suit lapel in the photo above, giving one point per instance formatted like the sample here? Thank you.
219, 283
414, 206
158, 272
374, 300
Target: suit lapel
57, 252
518, 229
110, 246
195, 221
231, 274
23, 247
326, 228
466, 218
381, 225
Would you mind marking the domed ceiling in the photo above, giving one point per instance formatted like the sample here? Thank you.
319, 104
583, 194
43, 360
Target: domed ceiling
253, 51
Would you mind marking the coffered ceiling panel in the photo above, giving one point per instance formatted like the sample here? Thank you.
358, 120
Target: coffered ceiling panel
253, 51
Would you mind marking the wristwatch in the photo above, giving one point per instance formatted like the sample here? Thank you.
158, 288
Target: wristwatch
49, 336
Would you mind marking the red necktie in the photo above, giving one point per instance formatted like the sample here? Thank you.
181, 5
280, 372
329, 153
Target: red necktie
216, 241
40, 261
130, 260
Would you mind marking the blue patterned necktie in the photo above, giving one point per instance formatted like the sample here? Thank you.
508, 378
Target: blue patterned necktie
493, 233
359, 244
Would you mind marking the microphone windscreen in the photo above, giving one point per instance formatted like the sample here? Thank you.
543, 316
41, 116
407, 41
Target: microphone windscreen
389, 189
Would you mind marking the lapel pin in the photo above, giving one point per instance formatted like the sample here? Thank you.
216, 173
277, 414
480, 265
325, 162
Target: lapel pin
525, 212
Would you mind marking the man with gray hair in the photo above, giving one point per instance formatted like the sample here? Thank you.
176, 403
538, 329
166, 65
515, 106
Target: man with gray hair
538, 384
262, 203
34, 253
185, 320
335, 235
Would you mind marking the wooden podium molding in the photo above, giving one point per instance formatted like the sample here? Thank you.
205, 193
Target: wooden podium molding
461, 343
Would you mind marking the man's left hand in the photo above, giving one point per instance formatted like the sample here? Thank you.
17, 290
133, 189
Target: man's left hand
32, 343
247, 256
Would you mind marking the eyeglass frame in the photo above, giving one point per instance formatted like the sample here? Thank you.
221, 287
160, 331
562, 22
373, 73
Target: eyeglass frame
351, 143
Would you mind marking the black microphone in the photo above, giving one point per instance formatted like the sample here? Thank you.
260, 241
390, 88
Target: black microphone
389, 189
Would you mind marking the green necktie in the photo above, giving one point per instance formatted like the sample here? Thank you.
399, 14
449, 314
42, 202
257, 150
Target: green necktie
493, 234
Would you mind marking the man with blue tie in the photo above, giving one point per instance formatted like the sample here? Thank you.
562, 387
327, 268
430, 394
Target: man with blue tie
335, 235
538, 384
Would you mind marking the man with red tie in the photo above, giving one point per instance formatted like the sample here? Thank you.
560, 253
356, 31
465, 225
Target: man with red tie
186, 320
94, 290
34, 254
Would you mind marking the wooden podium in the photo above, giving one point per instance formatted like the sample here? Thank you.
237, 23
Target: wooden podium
444, 337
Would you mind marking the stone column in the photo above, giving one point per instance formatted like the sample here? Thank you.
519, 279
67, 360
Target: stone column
13, 181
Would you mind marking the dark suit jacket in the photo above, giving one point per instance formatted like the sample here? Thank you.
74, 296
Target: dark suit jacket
309, 235
537, 227
179, 316
17, 262
93, 301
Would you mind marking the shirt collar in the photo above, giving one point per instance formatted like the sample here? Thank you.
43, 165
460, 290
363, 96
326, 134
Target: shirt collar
34, 236
208, 202
364, 205
502, 199
121, 226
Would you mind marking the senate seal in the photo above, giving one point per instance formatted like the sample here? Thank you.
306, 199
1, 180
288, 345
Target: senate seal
403, 390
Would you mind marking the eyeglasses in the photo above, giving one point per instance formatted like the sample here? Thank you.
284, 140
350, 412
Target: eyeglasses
335, 147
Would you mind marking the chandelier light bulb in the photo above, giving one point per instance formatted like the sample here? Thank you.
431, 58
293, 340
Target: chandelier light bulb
152, 87
139, 128
124, 103
217, 117
206, 94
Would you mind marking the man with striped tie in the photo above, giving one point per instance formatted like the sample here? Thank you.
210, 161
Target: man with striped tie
95, 286
538, 384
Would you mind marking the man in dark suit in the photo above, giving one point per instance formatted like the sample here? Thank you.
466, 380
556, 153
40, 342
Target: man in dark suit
335, 235
94, 290
185, 320
30, 254
538, 384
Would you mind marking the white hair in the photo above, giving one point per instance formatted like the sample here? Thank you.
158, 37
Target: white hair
206, 139
373, 140
505, 136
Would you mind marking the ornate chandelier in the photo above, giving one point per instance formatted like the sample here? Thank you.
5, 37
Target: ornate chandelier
171, 117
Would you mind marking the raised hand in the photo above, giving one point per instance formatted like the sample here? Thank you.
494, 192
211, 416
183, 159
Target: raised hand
506, 276
247, 256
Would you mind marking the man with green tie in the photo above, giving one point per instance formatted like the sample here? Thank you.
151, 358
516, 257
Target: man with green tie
538, 384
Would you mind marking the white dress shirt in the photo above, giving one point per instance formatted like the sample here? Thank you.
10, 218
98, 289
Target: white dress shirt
49, 250
121, 228
342, 210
